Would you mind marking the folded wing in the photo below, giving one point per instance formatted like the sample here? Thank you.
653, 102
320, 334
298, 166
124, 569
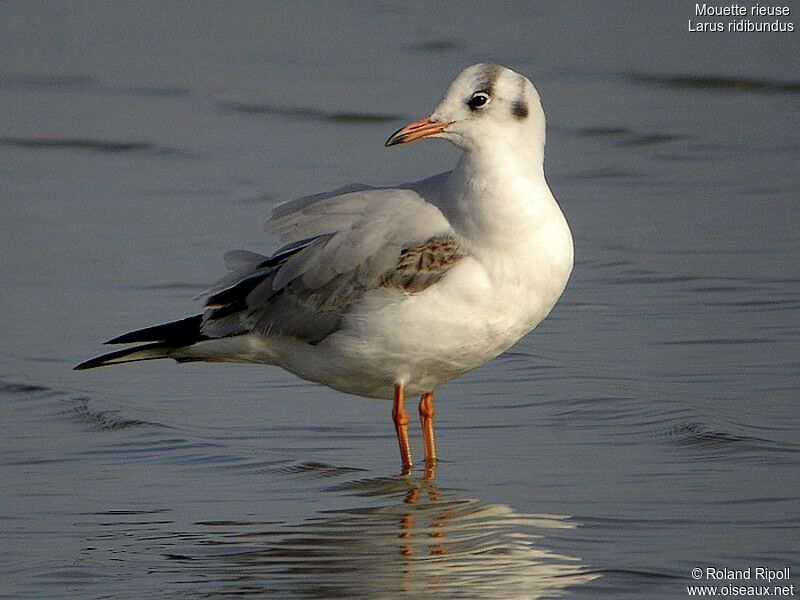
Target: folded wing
339, 246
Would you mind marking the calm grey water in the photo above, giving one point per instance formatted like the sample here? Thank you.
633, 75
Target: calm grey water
648, 427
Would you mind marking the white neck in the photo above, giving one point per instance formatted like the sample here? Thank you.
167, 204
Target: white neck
498, 191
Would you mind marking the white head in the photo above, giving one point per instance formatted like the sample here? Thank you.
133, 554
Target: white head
486, 105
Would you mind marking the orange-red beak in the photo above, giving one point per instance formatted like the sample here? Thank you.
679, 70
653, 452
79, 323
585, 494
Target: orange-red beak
415, 131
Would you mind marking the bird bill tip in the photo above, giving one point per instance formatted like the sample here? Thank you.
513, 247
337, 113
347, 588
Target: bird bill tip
415, 131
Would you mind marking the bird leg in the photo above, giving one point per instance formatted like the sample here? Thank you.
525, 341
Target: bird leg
401, 420
426, 414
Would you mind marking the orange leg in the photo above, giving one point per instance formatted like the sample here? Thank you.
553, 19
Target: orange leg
426, 414
400, 417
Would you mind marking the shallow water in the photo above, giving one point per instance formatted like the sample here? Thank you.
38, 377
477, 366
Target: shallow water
648, 427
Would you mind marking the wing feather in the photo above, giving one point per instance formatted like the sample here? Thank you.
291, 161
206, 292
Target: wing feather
339, 247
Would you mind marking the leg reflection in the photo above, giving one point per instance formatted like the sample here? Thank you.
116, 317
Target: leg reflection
425, 518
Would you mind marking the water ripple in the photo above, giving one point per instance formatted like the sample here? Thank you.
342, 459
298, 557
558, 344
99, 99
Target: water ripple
699, 436
106, 146
715, 82
414, 539
20, 388
316, 469
625, 136
80, 411
21, 80
309, 113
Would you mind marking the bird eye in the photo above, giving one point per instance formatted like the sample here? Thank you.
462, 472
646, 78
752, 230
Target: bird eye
479, 100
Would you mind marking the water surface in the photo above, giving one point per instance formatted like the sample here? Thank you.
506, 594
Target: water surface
648, 427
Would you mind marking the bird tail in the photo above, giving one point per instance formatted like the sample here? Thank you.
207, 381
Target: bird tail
164, 339
143, 352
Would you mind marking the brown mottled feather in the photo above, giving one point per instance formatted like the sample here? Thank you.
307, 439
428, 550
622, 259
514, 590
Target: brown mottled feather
312, 313
423, 265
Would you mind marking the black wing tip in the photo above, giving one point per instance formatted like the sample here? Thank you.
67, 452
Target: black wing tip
137, 353
92, 363
87, 364
130, 337
177, 333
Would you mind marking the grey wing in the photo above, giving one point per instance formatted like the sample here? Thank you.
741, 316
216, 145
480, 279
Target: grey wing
339, 247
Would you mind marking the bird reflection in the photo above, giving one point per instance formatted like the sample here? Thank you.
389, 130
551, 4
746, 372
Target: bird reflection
411, 539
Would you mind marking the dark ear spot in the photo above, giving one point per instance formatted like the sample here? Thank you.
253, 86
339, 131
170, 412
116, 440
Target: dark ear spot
519, 109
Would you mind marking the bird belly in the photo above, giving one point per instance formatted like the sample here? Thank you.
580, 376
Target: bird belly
423, 339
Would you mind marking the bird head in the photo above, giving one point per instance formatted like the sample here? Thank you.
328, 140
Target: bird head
485, 103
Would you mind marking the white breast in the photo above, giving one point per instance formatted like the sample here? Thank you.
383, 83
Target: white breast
480, 308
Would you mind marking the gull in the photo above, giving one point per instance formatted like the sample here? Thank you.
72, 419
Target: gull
384, 292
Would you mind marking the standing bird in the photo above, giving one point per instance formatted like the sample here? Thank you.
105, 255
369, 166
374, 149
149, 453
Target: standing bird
388, 291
